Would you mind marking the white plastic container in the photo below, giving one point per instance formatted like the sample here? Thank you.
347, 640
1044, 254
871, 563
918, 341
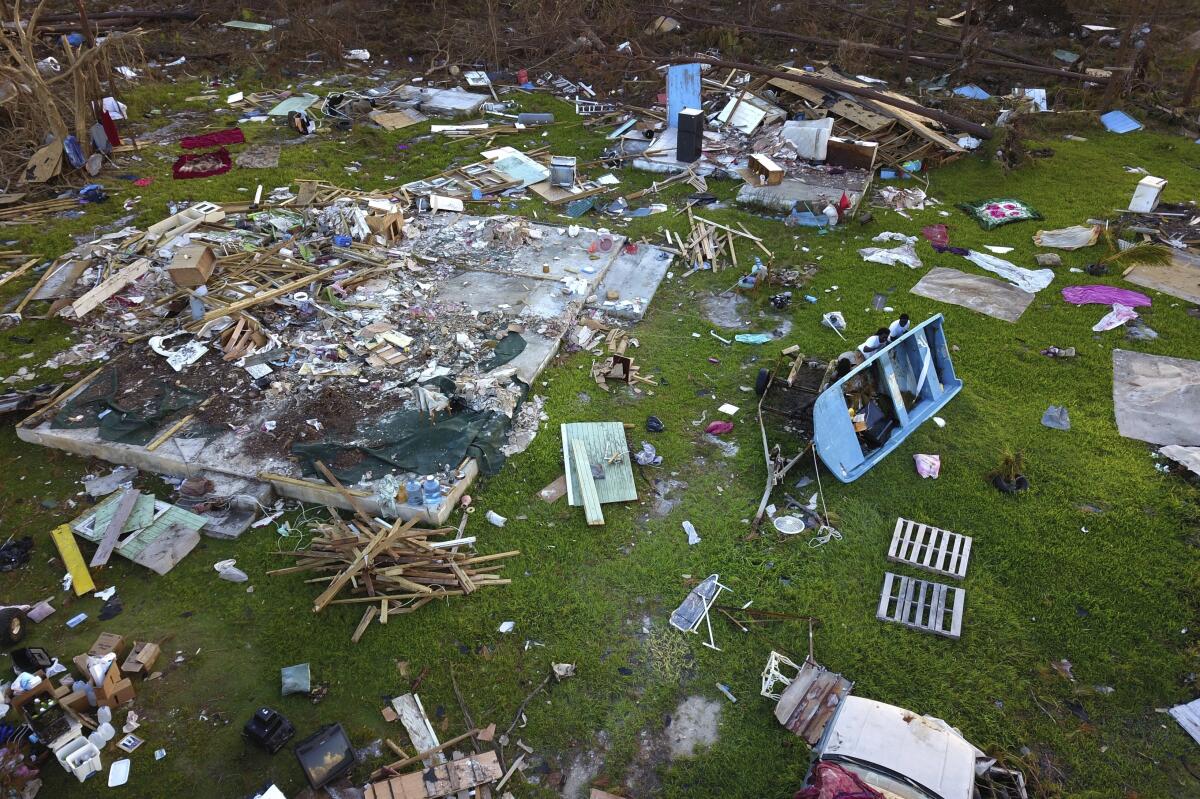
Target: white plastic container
80, 757
1147, 194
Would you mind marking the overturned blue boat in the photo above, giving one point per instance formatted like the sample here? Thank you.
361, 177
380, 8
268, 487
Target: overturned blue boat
859, 419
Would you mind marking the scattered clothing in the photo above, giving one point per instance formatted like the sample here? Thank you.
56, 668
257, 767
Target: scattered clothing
905, 254
937, 235
1068, 238
1119, 315
1104, 295
1030, 280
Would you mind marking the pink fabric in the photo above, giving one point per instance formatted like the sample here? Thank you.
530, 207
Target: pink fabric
936, 234
217, 138
719, 428
831, 781
1104, 295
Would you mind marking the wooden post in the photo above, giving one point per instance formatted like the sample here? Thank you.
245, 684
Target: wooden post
1120, 79
1193, 83
908, 33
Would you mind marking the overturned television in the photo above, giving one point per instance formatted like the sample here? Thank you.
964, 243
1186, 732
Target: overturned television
852, 419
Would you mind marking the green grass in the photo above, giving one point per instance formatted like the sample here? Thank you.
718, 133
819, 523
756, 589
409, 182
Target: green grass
1119, 601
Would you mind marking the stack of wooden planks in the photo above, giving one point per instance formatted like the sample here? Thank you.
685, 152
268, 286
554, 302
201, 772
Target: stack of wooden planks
712, 243
393, 568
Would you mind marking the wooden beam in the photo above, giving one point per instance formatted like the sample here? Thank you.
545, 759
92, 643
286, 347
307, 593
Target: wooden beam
115, 525
258, 299
20, 270
408, 761
109, 287
587, 485
363, 623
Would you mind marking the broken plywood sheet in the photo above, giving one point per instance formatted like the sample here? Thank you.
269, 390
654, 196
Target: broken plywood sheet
395, 120
455, 778
915, 123
60, 282
412, 715
606, 448
1157, 398
1180, 278
985, 295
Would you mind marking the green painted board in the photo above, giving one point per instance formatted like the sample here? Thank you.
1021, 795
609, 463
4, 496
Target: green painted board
174, 516
600, 440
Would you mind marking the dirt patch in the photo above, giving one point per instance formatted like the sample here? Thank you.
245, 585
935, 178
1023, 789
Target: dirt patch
692, 727
727, 310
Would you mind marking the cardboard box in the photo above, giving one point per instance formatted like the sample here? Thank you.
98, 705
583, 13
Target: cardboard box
141, 658
107, 643
192, 265
122, 692
768, 172
388, 225
77, 701
44, 688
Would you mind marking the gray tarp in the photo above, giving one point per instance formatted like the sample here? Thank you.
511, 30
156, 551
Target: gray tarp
1156, 398
985, 295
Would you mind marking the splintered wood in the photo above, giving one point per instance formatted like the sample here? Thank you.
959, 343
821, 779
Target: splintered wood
392, 568
712, 243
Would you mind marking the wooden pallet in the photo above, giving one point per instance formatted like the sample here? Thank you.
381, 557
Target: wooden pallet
930, 548
922, 605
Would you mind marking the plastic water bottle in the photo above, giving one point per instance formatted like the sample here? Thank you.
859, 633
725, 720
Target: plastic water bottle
413, 487
433, 492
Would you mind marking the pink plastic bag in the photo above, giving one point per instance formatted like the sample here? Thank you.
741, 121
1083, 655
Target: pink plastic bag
928, 465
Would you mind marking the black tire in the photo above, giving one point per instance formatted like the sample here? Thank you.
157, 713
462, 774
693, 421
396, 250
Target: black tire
1021, 483
762, 381
13, 624
1003, 485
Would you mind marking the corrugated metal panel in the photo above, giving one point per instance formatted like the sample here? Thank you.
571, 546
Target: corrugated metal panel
1119, 122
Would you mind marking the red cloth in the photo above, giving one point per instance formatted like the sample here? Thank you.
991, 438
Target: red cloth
220, 137
831, 781
110, 129
937, 235
719, 427
202, 165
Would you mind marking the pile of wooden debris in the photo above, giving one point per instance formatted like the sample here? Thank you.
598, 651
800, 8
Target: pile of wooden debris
392, 568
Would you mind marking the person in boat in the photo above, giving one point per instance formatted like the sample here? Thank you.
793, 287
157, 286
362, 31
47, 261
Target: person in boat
899, 327
875, 343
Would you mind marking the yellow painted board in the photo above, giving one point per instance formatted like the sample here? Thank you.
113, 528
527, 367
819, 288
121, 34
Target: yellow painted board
81, 579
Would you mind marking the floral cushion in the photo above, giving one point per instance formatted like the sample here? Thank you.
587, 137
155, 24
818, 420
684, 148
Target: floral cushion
993, 213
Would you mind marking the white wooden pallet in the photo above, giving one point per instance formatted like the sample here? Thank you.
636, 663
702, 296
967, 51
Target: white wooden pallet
930, 548
922, 605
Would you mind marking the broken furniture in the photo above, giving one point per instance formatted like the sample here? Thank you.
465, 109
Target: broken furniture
695, 608
902, 135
